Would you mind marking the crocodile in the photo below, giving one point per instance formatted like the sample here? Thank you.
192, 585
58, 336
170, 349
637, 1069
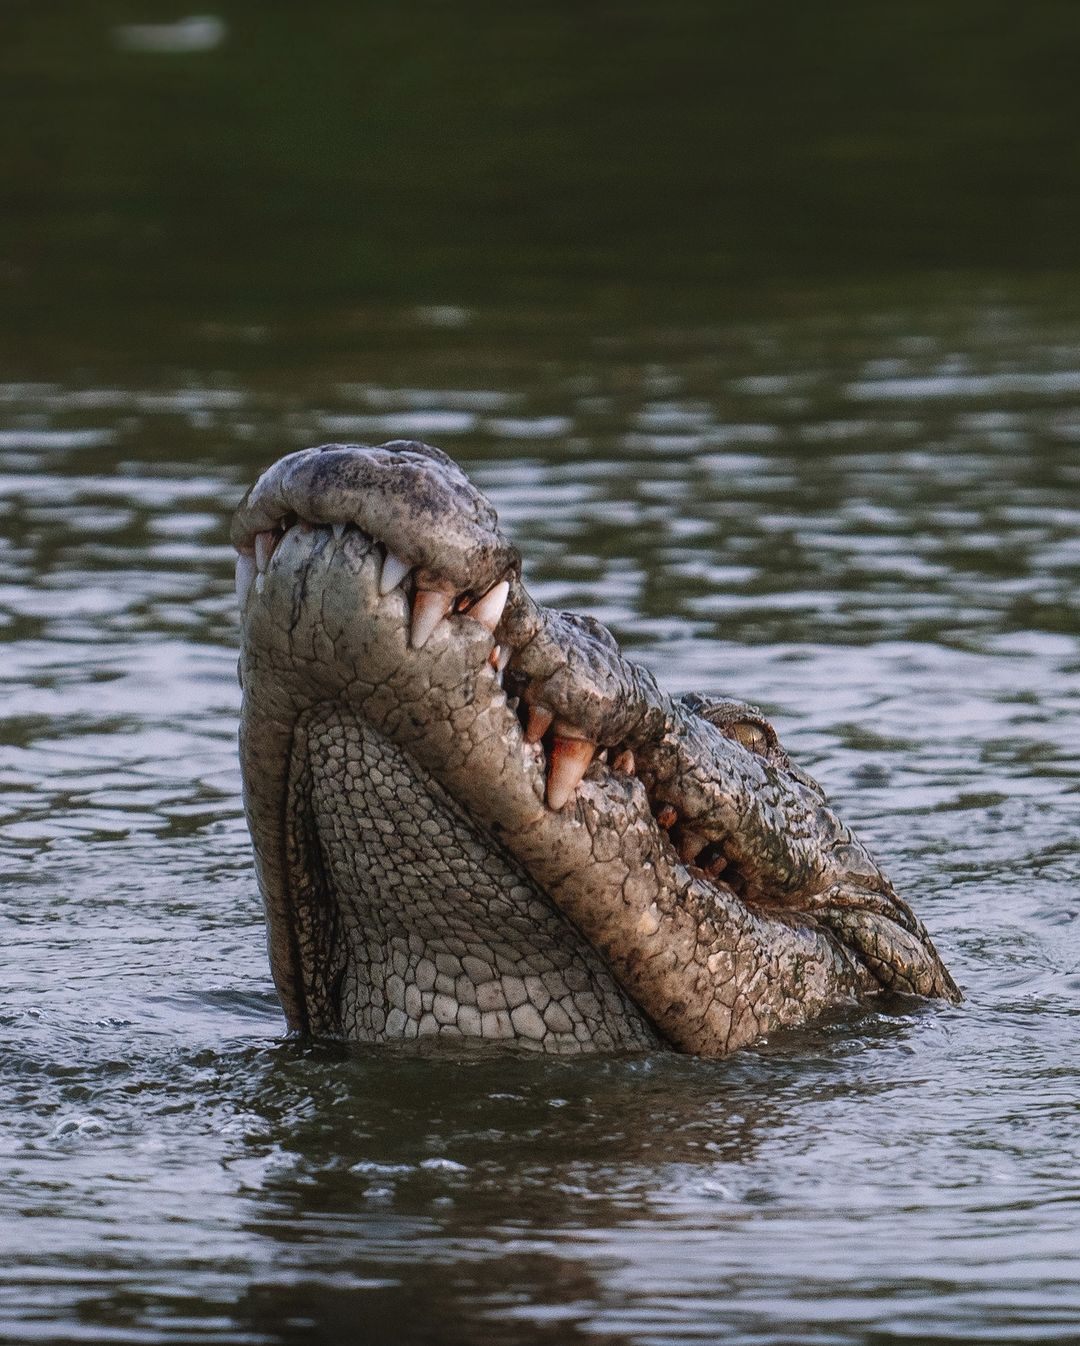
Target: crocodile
476, 821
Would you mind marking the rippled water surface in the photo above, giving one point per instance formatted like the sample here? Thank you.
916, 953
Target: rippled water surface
868, 523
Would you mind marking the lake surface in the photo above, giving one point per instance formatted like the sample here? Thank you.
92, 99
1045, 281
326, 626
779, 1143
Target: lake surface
865, 519
760, 325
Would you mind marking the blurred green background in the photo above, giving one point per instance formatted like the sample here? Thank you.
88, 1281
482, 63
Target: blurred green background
628, 158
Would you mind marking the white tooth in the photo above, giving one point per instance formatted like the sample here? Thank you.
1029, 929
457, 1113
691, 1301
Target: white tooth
540, 719
338, 531
489, 609
260, 582
430, 606
264, 548
570, 758
503, 659
394, 570
245, 576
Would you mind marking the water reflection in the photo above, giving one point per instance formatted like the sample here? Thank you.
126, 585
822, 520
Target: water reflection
869, 527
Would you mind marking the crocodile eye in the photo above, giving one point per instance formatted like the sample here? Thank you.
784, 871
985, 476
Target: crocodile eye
750, 735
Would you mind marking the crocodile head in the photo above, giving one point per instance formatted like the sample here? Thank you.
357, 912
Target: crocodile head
473, 818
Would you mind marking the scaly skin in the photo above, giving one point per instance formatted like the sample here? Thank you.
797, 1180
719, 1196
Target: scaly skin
423, 876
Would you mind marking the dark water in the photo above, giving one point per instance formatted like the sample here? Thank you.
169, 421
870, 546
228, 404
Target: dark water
851, 495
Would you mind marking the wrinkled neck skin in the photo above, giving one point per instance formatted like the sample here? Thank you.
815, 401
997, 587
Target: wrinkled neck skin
474, 819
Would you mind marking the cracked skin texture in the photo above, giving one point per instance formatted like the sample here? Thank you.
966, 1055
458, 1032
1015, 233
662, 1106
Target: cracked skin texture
418, 885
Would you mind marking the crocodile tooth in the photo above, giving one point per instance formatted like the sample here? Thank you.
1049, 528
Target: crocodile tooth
624, 764
394, 570
260, 582
338, 529
245, 577
540, 719
430, 606
489, 609
505, 652
264, 549
494, 656
570, 758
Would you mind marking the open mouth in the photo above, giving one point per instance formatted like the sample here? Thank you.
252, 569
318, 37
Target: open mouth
459, 798
558, 748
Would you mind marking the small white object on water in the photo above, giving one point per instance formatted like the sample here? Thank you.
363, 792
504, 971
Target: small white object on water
198, 32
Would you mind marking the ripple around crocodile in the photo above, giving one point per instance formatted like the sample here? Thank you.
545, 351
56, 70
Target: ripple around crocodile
474, 819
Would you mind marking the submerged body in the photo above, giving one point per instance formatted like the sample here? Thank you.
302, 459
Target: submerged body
473, 818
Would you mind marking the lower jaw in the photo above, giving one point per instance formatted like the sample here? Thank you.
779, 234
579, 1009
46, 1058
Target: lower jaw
439, 934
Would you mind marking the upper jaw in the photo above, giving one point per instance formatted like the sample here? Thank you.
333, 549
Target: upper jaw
409, 495
431, 636
441, 543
